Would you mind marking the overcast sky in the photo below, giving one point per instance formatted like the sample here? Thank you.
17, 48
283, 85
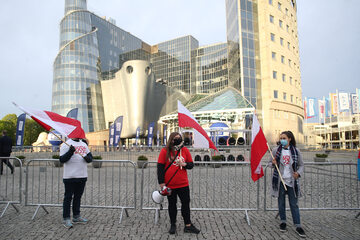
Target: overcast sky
329, 37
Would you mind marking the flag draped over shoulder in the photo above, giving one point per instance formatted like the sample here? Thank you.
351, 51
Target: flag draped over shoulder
49, 120
258, 149
186, 119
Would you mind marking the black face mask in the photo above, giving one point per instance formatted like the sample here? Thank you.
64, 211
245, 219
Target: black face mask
177, 141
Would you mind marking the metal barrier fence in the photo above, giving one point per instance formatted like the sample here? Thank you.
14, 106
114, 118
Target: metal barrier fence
10, 183
324, 186
214, 186
113, 185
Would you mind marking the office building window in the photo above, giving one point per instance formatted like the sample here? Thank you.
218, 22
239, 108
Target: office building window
274, 74
283, 77
281, 41
288, 45
286, 11
284, 96
272, 36
289, 62
273, 55
275, 94
287, 28
271, 19
270, 2
280, 23
292, 98
279, 6
290, 80
282, 59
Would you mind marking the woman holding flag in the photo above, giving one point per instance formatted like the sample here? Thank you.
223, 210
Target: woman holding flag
75, 155
173, 162
289, 161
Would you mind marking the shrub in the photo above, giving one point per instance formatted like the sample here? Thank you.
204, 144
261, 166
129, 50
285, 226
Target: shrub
320, 155
55, 157
142, 158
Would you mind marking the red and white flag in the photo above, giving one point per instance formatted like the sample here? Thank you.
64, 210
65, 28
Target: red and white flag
186, 119
49, 120
258, 149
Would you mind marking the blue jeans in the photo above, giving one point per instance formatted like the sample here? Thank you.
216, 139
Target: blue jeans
293, 201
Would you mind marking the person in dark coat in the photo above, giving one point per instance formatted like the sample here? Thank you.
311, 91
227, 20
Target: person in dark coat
5, 151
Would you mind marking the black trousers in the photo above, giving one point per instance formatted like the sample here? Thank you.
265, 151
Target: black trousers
184, 195
6, 161
76, 189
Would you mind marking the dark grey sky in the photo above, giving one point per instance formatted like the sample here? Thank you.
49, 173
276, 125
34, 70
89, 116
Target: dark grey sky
328, 35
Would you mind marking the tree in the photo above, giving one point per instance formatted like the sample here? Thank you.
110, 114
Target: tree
8, 123
31, 132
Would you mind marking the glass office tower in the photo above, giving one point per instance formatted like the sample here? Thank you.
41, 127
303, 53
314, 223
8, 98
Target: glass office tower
172, 62
89, 52
210, 73
242, 38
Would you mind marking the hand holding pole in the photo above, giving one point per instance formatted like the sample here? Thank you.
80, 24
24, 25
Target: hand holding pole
277, 168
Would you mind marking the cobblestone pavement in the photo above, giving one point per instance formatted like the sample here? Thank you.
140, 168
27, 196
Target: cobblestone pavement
104, 224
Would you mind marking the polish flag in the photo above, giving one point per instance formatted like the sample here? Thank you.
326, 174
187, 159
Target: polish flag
186, 119
258, 149
49, 120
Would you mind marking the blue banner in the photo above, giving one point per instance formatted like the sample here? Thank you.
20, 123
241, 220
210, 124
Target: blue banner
137, 136
73, 113
327, 107
158, 138
150, 133
118, 127
165, 134
111, 135
20, 126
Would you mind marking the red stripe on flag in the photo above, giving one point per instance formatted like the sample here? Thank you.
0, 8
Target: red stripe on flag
258, 150
186, 121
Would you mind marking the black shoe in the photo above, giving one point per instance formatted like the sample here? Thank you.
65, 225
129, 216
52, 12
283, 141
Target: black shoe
172, 229
191, 229
283, 227
301, 232
12, 171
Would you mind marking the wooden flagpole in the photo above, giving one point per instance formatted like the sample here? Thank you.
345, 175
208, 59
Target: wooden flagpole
277, 168
64, 142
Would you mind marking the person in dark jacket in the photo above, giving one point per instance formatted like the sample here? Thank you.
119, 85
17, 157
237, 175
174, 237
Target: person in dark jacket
5, 151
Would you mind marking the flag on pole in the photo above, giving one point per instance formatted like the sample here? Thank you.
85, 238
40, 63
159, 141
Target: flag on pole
258, 149
49, 120
186, 119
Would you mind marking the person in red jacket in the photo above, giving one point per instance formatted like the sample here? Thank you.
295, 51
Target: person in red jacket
175, 177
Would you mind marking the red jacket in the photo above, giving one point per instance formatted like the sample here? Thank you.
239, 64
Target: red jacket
180, 179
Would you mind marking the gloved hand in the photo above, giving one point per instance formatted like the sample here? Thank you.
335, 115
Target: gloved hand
72, 149
88, 158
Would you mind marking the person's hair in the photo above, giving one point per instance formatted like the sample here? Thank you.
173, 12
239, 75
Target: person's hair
170, 145
4, 132
290, 135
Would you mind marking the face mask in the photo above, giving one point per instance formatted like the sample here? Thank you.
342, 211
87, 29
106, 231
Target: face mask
283, 142
177, 141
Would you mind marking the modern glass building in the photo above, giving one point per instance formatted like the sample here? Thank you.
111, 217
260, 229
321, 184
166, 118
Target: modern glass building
210, 73
243, 49
89, 51
172, 62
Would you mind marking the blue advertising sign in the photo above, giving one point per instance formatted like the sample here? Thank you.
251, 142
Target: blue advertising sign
158, 138
165, 134
150, 133
118, 127
20, 129
111, 134
73, 113
137, 136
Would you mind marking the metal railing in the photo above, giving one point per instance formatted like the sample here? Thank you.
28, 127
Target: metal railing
113, 185
10, 184
324, 186
214, 186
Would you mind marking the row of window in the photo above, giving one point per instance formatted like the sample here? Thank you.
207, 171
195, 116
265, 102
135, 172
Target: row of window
281, 23
283, 77
279, 5
282, 58
285, 97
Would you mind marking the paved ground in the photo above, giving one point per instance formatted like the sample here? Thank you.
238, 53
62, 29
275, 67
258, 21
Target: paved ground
324, 186
104, 224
